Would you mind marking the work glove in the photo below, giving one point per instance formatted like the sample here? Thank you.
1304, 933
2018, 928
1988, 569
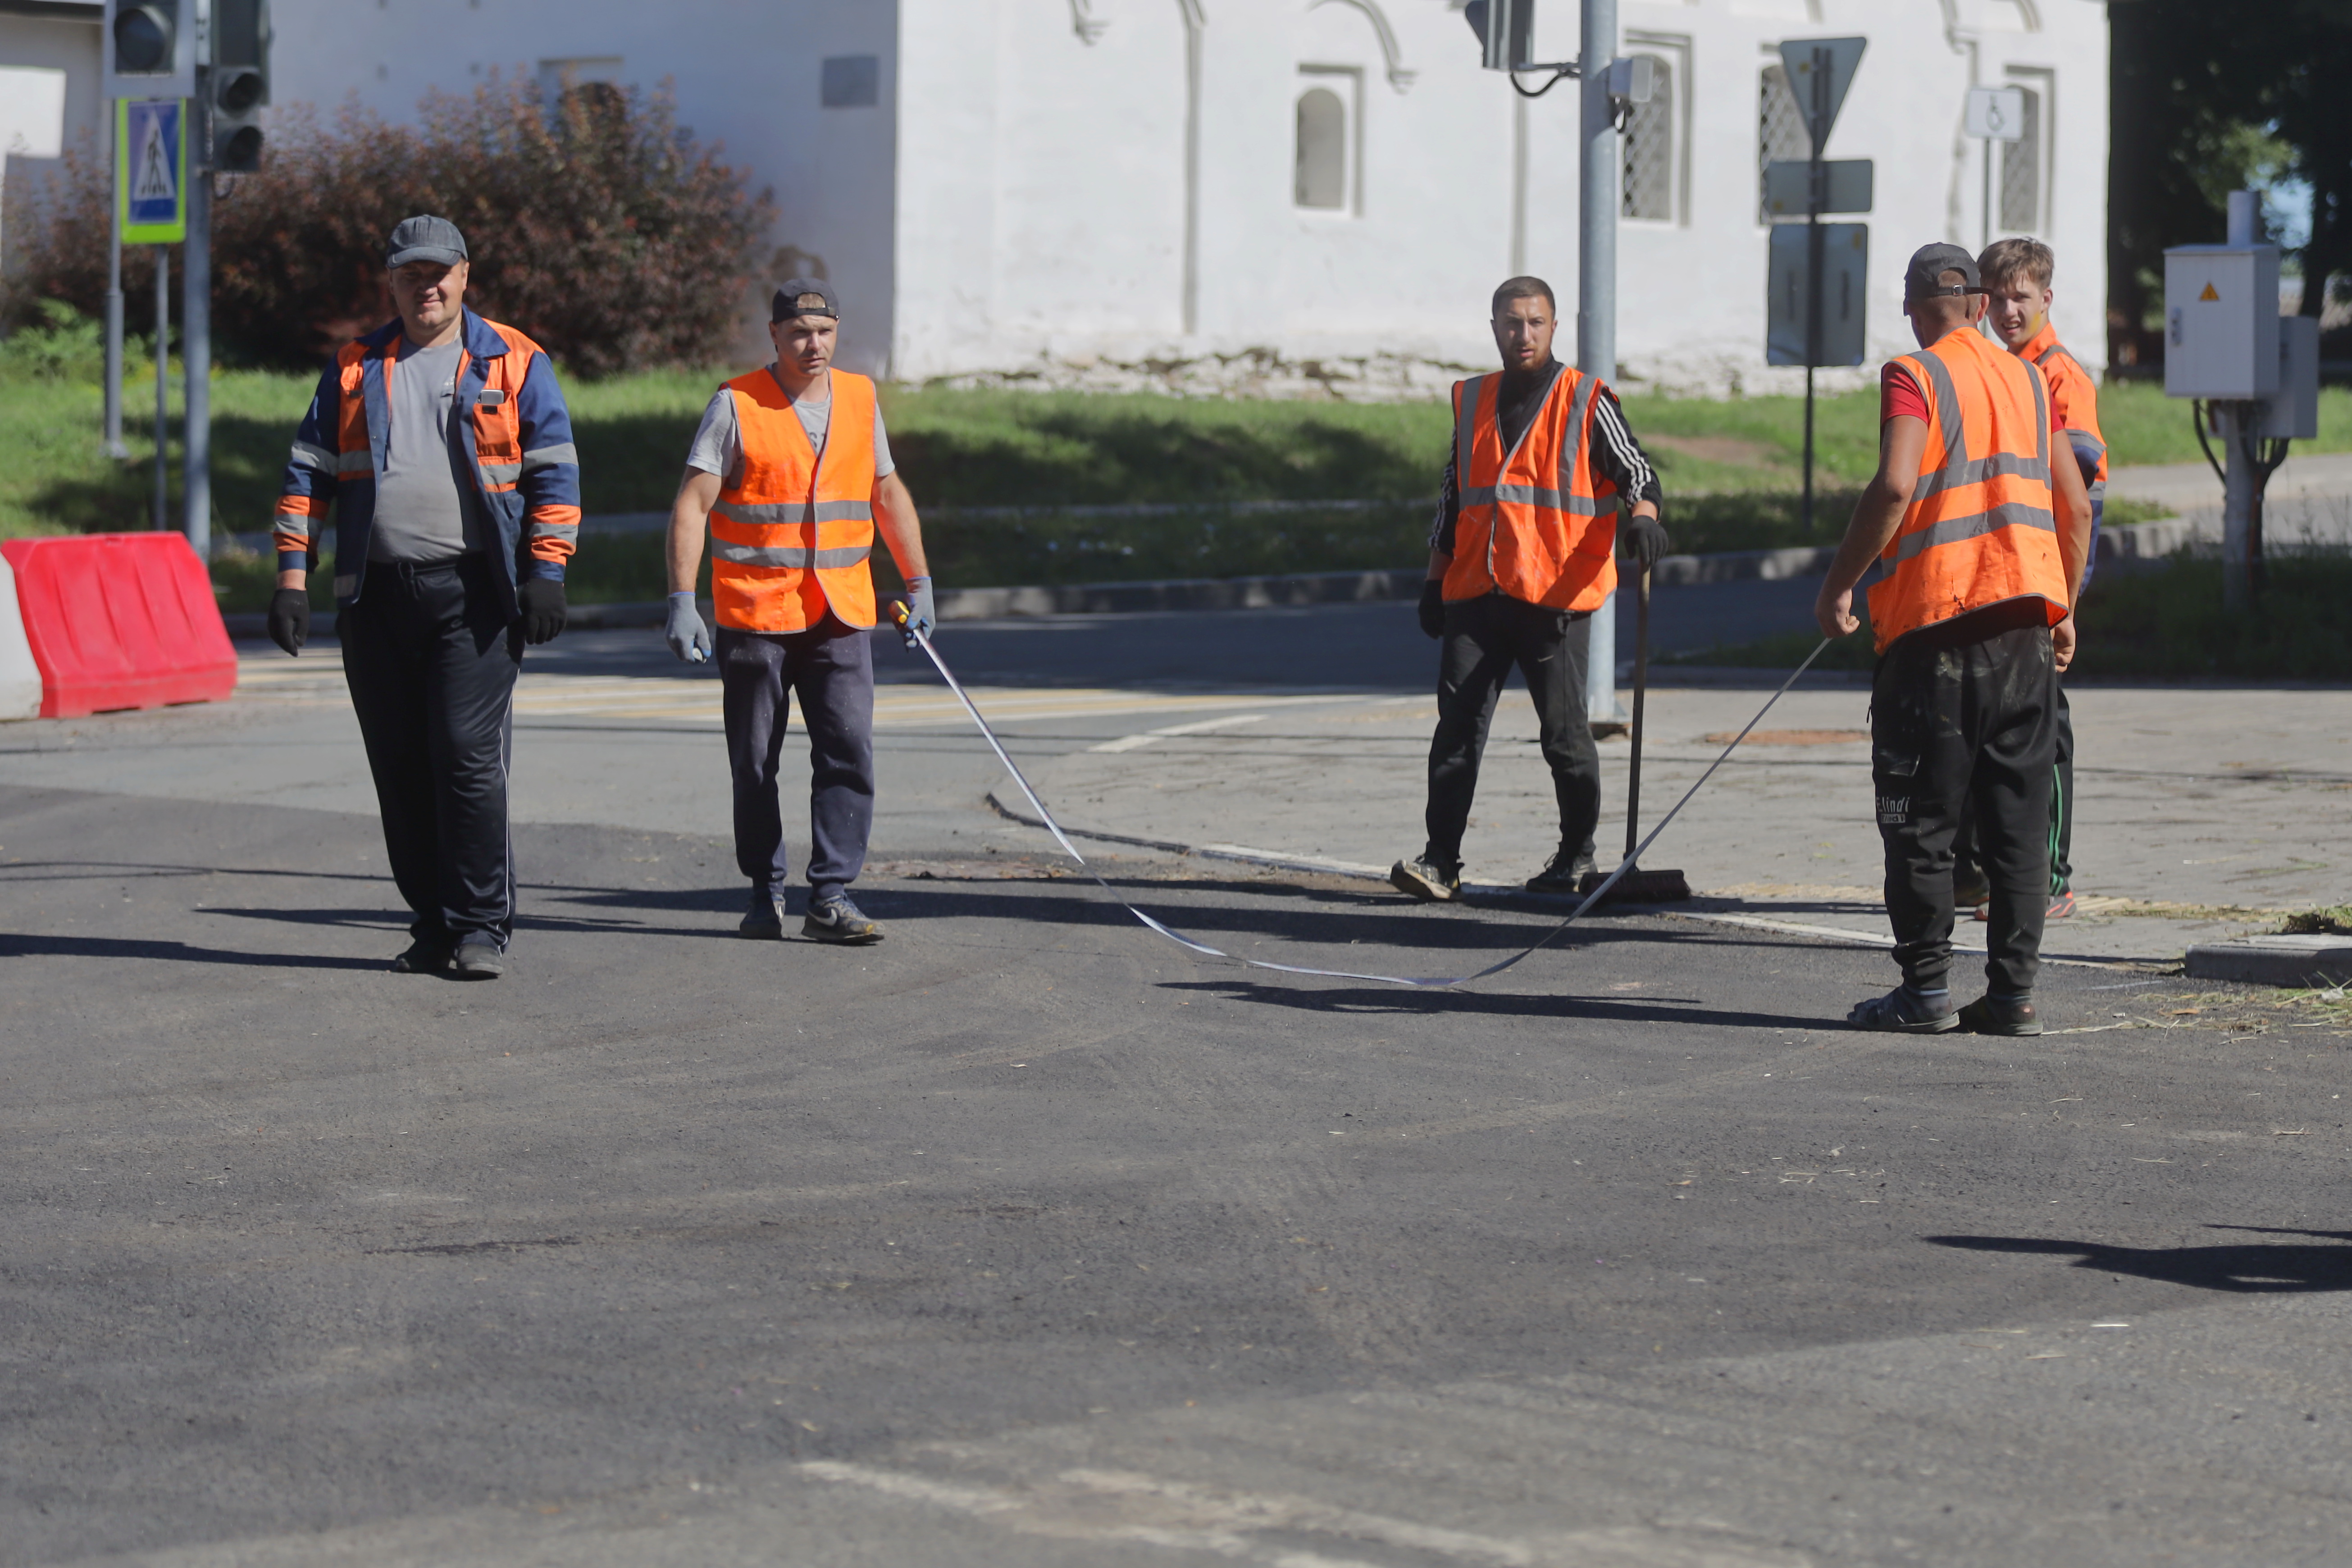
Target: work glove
1432, 609
687, 637
543, 609
289, 619
920, 616
1643, 541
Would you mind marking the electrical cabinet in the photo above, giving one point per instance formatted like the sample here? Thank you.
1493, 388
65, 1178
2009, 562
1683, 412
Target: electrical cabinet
2221, 322
2294, 413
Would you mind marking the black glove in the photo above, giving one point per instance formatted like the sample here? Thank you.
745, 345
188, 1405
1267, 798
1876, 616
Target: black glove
1432, 609
1643, 541
543, 609
289, 619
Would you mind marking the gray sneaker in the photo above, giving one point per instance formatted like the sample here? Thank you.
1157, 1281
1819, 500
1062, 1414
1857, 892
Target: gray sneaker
835, 919
764, 922
1425, 879
478, 957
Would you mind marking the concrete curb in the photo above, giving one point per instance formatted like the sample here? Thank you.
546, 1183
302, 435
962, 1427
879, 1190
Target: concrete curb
2298, 961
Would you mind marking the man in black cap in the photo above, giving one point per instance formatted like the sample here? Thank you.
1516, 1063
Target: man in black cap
790, 476
1982, 541
442, 444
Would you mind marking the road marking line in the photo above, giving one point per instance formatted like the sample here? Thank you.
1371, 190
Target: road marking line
1199, 727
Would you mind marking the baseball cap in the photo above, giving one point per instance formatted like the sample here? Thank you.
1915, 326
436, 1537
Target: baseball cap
793, 299
425, 238
1924, 277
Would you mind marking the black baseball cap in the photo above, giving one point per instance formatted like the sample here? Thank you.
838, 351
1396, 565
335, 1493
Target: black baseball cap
803, 297
1923, 279
425, 238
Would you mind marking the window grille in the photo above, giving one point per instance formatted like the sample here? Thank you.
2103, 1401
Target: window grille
1649, 183
1781, 129
1320, 171
2021, 173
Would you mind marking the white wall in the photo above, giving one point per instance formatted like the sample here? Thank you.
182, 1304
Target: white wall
48, 96
744, 72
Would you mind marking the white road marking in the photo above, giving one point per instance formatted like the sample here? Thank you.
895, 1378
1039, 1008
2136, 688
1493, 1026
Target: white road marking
1200, 727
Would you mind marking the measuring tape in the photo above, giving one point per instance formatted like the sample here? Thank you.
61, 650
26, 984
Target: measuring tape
923, 639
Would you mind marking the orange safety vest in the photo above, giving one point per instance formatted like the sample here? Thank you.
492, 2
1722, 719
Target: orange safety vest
2073, 395
1536, 522
1981, 527
790, 537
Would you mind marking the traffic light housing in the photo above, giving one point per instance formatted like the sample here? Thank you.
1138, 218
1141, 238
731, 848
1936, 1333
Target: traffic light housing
240, 82
151, 48
1506, 29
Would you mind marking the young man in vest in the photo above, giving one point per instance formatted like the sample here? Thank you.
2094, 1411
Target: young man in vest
442, 443
2017, 275
1522, 552
791, 473
1982, 541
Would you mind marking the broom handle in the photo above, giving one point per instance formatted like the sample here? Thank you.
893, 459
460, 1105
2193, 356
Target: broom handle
1641, 692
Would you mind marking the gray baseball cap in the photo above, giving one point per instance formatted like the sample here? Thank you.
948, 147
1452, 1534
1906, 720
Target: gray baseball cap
1924, 277
425, 238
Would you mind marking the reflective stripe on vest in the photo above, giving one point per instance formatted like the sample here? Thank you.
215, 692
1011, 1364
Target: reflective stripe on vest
1543, 545
790, 538
1979, 530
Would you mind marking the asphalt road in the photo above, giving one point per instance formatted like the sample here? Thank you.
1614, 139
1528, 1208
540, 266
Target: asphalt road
1028, 1238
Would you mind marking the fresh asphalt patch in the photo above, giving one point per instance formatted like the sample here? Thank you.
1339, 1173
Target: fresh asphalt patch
1024, 1235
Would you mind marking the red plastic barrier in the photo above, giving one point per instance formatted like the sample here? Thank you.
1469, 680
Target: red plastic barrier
120, 620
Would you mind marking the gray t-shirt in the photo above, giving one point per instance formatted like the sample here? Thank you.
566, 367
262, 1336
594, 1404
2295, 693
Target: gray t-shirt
718, 442
426, 506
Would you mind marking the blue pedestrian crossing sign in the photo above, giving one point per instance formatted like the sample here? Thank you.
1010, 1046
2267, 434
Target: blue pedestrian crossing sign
151, 169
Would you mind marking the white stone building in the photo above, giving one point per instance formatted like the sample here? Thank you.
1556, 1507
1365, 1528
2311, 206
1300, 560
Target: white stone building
1281, 195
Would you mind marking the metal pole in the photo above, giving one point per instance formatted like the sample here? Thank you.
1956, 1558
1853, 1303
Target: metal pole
113, 438
1816, 258
1596, 299
2237, 504
1985, 207
197, 321
163, 386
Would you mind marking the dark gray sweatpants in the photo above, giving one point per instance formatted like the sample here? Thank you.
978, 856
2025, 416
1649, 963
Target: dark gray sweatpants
830, 668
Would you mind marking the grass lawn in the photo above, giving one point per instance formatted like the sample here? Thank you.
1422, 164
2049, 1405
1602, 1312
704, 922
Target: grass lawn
1731, 468
2164, 623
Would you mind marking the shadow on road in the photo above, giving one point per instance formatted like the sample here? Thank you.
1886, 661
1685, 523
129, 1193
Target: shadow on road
15, 945
1660, 1010
2252, 1269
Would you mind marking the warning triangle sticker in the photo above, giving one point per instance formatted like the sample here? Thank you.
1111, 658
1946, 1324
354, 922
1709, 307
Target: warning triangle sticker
154, 182
2209, 294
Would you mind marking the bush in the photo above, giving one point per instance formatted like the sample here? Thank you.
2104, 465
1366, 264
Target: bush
598, 226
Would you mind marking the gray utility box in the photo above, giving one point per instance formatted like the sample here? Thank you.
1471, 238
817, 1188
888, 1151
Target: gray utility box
2294, 413
2221, 322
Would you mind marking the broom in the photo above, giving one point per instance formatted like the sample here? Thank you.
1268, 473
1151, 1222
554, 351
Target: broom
1639, 884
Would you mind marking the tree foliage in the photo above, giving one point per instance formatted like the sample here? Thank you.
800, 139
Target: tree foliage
2209, 98
596, 224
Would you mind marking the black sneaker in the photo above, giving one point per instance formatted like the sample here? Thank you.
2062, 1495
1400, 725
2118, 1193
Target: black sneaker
1425, 879
478, 957
764, 922
1566, 873
2000, 1015
835, 919
425, 955
1903, 1011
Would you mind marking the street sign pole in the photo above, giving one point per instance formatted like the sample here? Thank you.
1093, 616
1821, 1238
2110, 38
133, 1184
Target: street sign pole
1816, 192
113, 438
1596, 300
195, 325
163, 386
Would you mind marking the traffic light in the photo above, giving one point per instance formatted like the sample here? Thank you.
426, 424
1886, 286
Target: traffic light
240, 82
151, 48
1507, 28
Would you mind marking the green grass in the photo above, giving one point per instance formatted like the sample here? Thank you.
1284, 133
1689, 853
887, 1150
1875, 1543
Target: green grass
1731, 468
2165, 622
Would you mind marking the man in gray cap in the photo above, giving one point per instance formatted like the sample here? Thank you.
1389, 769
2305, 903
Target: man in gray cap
790, 477
442, 444
1982, 541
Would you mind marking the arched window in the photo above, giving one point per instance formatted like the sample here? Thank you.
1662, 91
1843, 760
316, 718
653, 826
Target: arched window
1781, 129
1649, 187
1321, 169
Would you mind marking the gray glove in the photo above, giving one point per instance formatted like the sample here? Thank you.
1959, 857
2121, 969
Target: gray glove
920, 616
687, 636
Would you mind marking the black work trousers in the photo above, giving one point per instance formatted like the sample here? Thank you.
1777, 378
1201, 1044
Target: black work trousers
1967, 728
431, 654
1485, 638
2061, 809
830, 668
